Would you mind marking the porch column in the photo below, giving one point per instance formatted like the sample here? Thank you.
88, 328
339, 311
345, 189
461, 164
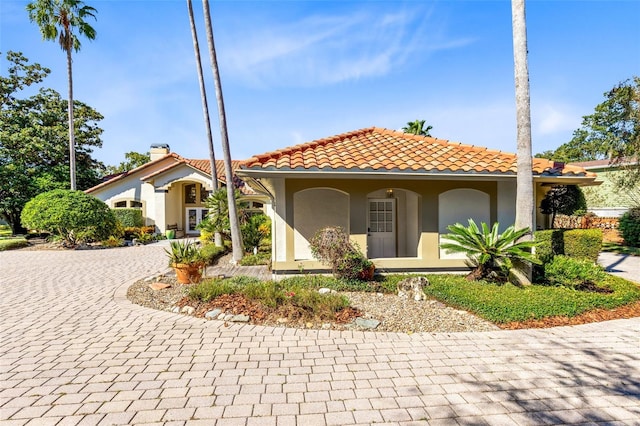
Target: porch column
160, 201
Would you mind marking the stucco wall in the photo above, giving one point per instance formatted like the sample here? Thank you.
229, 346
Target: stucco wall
422, 206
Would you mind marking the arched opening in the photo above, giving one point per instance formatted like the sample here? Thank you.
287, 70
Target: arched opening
458, 206
313, 209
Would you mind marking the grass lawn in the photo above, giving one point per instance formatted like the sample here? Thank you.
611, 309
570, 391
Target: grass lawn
507, 303
5, 231
12, 243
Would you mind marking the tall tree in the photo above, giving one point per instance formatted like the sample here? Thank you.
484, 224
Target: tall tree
236, 236
524, 179
203, 96
33, 132
611, 132
61, 19
417, 128
132, 160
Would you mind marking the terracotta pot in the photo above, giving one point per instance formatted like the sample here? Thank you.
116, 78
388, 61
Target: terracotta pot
188, 273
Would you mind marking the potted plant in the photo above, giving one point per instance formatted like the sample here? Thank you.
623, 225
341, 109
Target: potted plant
186, 259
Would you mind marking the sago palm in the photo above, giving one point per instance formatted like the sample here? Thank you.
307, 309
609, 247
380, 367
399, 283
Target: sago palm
490, 254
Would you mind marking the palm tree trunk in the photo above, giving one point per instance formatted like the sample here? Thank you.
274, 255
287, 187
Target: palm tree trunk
72, 142
203, 95
524, 178
236, 236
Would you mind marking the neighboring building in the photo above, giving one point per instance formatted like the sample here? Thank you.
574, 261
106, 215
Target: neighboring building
394, 193
607, 199
170, 190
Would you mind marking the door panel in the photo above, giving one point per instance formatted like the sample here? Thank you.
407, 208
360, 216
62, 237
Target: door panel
381, 236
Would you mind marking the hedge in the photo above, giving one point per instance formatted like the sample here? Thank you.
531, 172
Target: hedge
576, 243
583, 243
630, 227
129, 217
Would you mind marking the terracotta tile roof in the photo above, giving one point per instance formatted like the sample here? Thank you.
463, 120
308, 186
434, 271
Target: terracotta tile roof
201, 165
377, 150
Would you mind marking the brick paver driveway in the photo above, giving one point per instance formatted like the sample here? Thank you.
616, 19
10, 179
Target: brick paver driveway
75, 352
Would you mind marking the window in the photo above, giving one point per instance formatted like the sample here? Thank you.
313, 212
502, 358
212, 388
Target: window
123, 204
204, 194
190, 193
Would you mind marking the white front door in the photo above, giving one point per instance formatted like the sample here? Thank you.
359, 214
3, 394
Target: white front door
381, 236
193, 217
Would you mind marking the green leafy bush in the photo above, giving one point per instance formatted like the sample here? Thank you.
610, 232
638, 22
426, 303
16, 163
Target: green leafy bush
73, 215
573, 273
583, 243
129, 217
549, 243
256, 228
629, 226
490, 255
331, 246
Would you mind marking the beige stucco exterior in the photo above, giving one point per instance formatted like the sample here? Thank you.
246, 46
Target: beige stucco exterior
424, 208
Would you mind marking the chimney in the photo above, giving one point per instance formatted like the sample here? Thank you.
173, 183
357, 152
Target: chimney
159, 150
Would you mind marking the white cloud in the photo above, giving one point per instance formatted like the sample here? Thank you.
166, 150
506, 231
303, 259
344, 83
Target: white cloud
321, 49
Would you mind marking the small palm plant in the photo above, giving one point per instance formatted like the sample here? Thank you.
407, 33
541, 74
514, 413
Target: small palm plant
490, 255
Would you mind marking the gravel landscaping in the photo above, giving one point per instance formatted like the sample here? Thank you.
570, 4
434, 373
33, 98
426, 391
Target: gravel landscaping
395, 314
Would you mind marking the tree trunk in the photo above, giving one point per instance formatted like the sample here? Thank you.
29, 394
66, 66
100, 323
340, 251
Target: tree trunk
236, 236
72, 142
15, 223
524, 178
203, 96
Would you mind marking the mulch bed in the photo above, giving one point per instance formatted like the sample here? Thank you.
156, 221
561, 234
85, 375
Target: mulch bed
596, 315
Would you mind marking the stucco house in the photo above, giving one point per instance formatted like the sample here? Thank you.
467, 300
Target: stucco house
606, 199
170, 190
395, 194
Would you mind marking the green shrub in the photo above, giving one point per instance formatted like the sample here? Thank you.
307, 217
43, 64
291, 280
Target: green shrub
208, 290
629, 226
490, 255
73, 215
550, 242
13, 243
254, 230
583, 243
573, 273
211, 253
129, 217
131, 232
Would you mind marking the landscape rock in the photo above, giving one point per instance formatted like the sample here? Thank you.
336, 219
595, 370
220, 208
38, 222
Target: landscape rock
413, 288
159, 286
213, 314
189, 310
325, 290
175, 309
240, 318
367, 323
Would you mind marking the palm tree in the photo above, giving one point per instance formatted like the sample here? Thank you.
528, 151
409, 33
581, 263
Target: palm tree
417, 128
236, 236
203, 95
524, 178
59, 19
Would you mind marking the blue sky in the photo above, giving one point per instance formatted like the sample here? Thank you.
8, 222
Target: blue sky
297, 71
